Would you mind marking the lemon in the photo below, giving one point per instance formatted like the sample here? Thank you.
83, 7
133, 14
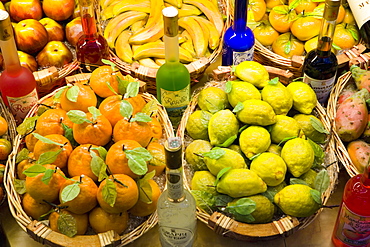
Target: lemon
212, 99
195, 148
311, 44
240, 182
197, 124
296, 200
204, 181
304, 98
309, 177
270, 167
285, 127
275, 149
241, 91
298, 156
222, 126
254, 140
278, 96
252, 72
256, 112
231, 159
305, 121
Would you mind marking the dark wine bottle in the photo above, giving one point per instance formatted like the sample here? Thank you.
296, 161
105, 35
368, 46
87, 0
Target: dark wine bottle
361, 12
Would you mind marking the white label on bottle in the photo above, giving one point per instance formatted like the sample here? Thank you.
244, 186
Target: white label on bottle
175, 103
174, 185
353, 229
171, 236
239, 57
20, 106
360, 10
322, 88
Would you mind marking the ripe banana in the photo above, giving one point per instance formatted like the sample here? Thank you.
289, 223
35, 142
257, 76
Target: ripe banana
188, 44
148, 62
137, 26
105, 3
211, 11
200, 41
107, 13
214, 37
187, 10
138, 5
160, 61
123, 48
175, 3
120, 23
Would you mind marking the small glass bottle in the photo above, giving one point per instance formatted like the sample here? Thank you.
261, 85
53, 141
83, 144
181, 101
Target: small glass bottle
321, 64
91, 47
172, 78
352, 227
176, 206
239, 38
17, 83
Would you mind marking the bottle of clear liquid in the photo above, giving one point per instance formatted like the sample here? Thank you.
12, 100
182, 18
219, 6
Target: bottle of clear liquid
176, 206
92, 47
173, 78
352, 227
321, 64
239, 38
361, 12
17, 83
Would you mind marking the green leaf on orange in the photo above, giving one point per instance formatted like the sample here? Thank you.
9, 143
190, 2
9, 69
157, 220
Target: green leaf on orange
67, 225
70, 192
141, 117
132, 89
27, 125
125, 109
78, 117
109, 192
48, 174
150, 108
48, 157
94, 112
22, 155
34, 170
20, 186
47, 140
72, 93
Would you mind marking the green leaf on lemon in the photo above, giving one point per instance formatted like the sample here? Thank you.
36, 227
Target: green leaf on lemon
109, 192
67, 224
317, 125
220, 174
316, 195
238, 107
244, 206
215, 153
125, 109
297, 181
319, 153
70, 192
274, 81
48, 157
322, 181
229, 141
228, 86
72, 93
204, 200
27, 125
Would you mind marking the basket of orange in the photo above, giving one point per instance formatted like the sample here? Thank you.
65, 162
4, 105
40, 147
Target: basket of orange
134, 31
258, 159
87, 164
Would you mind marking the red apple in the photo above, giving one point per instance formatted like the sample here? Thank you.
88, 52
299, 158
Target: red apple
58, 10
55, 53
27, 61
54, 29
74, 31
30, 36
25, 9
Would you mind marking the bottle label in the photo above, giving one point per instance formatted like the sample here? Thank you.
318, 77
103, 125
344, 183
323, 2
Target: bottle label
175, 103
175, 184
360, 10
171, 236
322, 88
20, 106
353, 229
239, 57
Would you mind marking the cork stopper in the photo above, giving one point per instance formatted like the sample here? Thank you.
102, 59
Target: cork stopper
170, 18
173, 148
6, 30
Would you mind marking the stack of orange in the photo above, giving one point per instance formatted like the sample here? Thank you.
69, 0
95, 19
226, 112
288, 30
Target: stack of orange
92, 156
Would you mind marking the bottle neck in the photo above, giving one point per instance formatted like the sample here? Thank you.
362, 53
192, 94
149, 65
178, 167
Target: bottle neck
240, 15
171, 48
87, 14
9, 52
175, 185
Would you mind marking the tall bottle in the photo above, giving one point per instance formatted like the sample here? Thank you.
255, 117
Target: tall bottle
92, 47
352, 227
361, 12
17, 83
238, 39
176, 206
173, 78
321, 64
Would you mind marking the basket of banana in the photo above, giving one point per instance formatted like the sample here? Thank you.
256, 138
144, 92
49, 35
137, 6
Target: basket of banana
258, 158
134, 31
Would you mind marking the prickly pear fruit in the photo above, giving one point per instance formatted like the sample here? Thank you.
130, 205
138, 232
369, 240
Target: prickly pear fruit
352, 116
359, 153
366, 135
361, 77
347, 92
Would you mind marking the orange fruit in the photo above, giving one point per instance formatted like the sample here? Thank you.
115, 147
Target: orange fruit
281, 18
41, 191
116, 159
2, 171
127, 194
142, 208
30, 141
286, 45
62, 158
156, 127
101, 221
3, 126
272, 3
265, 33
79, 161
23, 165
82, 221
304, 5
5, 148
50, 122
348, 17
98, 133
48, 103
341, 14
158, 162
137, 131
85, 200
85, 97
101, 77
346, 36
256, 10
34, 208
305, 27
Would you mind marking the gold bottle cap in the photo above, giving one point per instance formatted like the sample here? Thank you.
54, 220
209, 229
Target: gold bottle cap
331, 9
6, 31
173, 148
170, 17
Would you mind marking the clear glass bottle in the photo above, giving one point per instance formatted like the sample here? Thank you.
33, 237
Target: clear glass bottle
91, 47
352, 227
321, 64
176, 206
17, 83
361, 12
239, 38
172, 78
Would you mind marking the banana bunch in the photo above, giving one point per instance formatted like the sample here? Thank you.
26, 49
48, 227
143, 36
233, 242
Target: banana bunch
134, 29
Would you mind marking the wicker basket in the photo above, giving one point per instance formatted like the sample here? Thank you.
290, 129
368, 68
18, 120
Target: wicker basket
196, 68
285, 226
42, 233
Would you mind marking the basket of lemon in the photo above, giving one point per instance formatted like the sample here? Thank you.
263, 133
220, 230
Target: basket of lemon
134, 31
259, 159
87, 164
